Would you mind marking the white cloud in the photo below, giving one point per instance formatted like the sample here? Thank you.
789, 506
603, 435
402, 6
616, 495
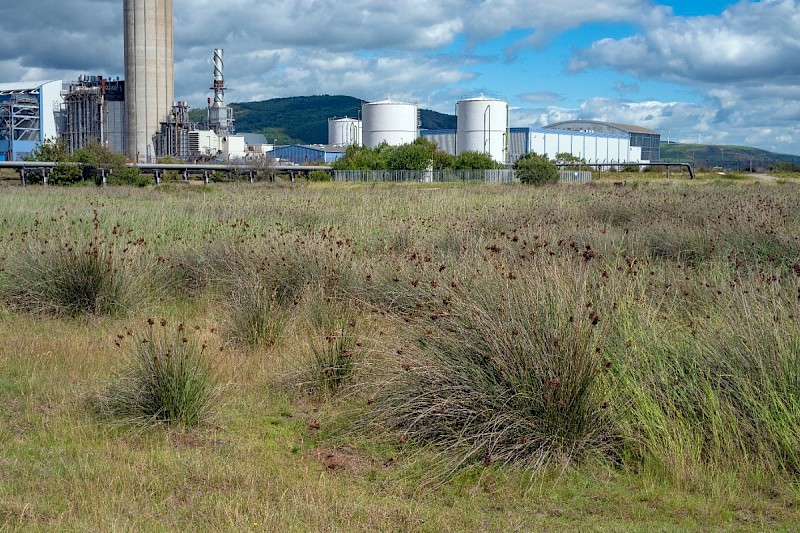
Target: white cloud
540, 97
750, 41
746, 61
544, 18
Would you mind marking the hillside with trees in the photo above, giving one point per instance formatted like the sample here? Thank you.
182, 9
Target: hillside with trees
730, 157
304, 119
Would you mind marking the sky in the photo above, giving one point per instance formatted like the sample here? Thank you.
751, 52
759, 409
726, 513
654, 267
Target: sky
708, 71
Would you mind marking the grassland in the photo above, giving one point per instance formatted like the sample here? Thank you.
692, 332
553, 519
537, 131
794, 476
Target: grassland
411, 357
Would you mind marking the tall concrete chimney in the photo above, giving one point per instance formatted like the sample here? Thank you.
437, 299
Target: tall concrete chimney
149, 73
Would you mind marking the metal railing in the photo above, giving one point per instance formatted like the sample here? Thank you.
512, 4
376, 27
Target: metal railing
574, 176
426, 176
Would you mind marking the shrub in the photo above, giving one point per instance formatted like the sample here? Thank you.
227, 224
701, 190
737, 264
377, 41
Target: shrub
128, 176
474, 161
168, 379
65, 174
319, 175
79, 275
335, 349
536, 169
508, 374
256, 317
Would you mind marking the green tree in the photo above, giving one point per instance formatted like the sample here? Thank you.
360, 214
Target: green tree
573, 161
361, 158
474, 161
536, 169
96, 158
414, 156
51, 150
417, 155
55, 151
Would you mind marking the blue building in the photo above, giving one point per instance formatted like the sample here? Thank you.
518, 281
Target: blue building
306, 155
30, 113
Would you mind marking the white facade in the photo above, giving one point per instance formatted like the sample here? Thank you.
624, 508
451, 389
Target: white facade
592, 147
233, 147
483, 127
345, 132
395, 123
225, 147
149, 72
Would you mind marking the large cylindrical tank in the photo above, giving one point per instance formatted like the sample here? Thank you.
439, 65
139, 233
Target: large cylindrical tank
483, 127
344, 132
149, 72
396, 123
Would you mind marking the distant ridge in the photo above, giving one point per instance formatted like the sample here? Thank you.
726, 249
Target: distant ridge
731, 157
304, 119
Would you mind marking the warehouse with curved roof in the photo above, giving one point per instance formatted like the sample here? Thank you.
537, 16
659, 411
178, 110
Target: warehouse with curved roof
646, 139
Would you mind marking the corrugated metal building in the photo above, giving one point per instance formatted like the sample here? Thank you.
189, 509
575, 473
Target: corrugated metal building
444, 139
94, 110
304, 154
593, 147
29, 114
648, 140
589, 146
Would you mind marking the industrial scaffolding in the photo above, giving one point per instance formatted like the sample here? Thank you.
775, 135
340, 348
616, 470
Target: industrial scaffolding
20, 120
172, 140
94, 108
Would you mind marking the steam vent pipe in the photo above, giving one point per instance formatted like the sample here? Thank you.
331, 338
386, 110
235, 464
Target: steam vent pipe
149, 73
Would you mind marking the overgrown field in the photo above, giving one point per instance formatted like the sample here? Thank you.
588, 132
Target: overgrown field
422, 358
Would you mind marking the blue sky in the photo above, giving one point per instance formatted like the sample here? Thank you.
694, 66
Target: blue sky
722, 72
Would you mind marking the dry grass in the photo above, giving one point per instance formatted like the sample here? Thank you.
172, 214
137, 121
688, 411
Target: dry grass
700, 330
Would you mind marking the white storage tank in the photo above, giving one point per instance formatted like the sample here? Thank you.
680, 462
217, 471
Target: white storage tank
483, 127
344, 131
396, 123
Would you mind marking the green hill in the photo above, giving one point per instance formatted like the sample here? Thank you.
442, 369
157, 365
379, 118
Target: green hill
730, 157
304, 119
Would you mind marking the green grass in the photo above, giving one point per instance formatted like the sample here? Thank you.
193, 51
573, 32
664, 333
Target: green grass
679, 383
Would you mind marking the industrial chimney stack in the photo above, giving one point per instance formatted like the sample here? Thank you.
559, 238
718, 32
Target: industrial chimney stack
149, 73
220, 116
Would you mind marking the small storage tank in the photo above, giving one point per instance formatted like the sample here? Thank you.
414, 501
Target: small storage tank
396, 123
344, 131
483, 127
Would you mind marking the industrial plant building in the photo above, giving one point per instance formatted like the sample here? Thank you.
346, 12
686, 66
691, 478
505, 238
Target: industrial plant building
30, 113
94, 111
596, 148
648, 140
483, 126
308, 154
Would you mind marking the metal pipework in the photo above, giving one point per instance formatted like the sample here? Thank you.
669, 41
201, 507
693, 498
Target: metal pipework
219, 77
